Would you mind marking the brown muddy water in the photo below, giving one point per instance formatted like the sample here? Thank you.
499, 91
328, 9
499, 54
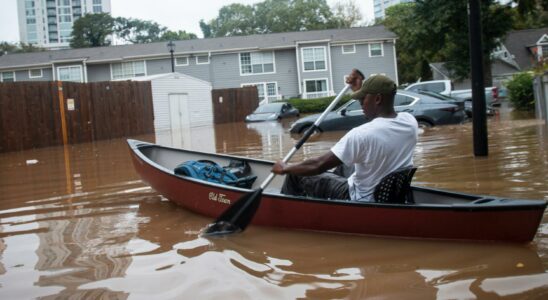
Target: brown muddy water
76, 222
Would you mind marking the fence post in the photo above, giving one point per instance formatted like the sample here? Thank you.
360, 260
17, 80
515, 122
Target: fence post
544, 100
62, 111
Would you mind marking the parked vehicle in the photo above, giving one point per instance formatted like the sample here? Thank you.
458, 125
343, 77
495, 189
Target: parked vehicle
489, 110
428, 111
272, 112
445, 87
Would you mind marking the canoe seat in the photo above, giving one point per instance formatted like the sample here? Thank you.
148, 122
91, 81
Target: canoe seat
396, 187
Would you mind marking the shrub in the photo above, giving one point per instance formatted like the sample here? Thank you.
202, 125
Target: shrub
520, 91
316, 105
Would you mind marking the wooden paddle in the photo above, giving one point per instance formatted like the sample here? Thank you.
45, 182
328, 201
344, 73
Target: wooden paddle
238, 215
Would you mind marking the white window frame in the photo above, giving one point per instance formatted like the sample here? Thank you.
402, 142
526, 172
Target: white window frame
131, 61
181, 65
265, 89
203, 63
68, 67
306, 93
348, 52
324, 54
382, 49
2, 76
40, 76
543, 41
251, 74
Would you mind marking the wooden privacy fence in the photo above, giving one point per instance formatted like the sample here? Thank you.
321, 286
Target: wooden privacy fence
232, 105
41, 114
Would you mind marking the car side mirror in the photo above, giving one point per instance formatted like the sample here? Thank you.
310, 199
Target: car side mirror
343, 112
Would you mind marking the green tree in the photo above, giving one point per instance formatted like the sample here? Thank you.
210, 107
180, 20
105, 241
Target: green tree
530, 14
310, 15
347, 14
177, 35
138, 31
520, 91
92, 30
7, 48
412, 57
274, 16
437, 30
270, 16
234, 19
206, 29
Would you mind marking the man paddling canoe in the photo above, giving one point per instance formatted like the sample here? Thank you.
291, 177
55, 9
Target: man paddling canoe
375, 149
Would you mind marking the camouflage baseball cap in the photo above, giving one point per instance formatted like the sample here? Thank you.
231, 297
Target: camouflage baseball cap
376, 84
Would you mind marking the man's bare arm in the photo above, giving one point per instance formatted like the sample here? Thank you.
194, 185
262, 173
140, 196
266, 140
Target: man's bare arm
309, 167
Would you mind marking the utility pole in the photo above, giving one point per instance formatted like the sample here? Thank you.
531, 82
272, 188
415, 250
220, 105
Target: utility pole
479, 119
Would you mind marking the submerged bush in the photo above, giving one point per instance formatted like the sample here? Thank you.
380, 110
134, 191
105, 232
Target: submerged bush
520, 91
316, 105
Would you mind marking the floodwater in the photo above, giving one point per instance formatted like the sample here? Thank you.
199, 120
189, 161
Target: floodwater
76, 222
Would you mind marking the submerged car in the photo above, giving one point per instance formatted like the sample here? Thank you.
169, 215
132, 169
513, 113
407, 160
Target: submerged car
272, 112
428, 111
489, 110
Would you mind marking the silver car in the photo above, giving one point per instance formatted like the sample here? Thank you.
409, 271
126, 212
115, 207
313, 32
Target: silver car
272, 112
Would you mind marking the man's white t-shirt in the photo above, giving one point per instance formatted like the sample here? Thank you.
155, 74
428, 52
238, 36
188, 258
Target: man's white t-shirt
376, 149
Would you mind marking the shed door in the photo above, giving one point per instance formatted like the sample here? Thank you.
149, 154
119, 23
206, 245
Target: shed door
180, 120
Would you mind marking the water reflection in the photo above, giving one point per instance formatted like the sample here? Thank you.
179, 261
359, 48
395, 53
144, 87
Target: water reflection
77, 222
275, 264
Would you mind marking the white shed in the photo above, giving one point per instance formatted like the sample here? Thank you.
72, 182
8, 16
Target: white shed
183, 112
180, 101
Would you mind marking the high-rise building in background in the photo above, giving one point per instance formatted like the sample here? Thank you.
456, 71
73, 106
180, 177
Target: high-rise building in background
380, 6
48, 23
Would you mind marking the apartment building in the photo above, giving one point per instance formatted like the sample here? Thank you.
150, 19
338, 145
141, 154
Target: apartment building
48, 23
306, 64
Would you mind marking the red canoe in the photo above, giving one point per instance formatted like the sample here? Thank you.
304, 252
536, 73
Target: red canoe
437, 214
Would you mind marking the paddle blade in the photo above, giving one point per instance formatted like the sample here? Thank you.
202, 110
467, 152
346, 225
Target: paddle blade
237, 216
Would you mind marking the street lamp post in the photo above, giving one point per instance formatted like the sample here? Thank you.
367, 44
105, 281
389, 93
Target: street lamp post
171, 47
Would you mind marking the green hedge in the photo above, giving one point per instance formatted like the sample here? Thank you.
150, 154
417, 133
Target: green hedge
520, 91
315, 105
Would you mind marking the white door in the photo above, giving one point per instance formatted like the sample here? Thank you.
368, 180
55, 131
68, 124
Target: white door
180, 120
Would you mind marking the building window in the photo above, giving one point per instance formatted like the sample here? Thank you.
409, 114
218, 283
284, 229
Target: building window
375, 49
128, 69
35, 73
256, 62
202, 59
64, 17
7, 76
181, 61
314, 59
347, 49
271, 89
97, 6
544, 51
70, 73
316, 88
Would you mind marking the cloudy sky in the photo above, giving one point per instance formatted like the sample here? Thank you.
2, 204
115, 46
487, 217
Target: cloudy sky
174, 14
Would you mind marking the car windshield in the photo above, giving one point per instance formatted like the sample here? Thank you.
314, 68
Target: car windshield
268, 108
